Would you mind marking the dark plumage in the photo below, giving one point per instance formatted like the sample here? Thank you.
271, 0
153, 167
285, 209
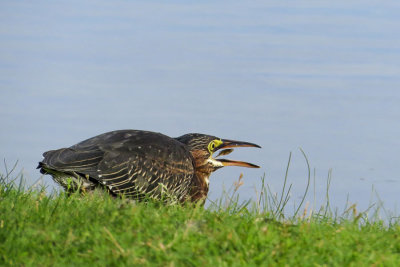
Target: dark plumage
140, 163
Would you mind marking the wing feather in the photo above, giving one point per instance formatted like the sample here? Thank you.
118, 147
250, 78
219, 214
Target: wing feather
129, 162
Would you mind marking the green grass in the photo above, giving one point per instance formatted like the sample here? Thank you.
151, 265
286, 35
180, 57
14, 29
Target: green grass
96, 230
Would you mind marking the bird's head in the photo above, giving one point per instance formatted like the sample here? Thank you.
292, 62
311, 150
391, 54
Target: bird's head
203, 147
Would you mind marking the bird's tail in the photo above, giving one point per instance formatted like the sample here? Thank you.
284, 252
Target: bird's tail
42, 168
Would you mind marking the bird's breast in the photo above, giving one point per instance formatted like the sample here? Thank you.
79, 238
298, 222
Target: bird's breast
200, 186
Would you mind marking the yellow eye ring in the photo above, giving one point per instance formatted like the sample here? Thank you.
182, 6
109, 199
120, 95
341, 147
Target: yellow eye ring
213, 144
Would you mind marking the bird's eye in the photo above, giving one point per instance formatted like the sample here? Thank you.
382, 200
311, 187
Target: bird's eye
211, 146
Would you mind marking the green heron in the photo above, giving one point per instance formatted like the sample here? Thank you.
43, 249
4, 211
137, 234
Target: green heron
137, 164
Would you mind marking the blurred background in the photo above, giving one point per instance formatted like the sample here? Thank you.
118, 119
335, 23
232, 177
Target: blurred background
323, 76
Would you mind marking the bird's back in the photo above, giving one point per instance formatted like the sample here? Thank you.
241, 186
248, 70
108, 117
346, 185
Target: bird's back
129, 162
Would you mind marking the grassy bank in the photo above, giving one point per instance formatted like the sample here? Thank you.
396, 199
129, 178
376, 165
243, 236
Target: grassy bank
96, 230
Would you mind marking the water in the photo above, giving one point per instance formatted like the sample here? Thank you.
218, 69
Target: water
321, 76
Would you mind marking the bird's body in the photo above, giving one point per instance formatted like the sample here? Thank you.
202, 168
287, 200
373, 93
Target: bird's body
139, 164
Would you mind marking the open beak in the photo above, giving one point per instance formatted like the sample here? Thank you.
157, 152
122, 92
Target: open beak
227, 162
232, 144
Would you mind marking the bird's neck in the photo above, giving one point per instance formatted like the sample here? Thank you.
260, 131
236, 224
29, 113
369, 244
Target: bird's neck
202, 174
200, 184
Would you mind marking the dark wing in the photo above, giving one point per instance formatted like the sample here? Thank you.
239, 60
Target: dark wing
72, 161
129, 162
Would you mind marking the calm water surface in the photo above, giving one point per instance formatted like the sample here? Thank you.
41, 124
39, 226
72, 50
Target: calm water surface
306, 74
